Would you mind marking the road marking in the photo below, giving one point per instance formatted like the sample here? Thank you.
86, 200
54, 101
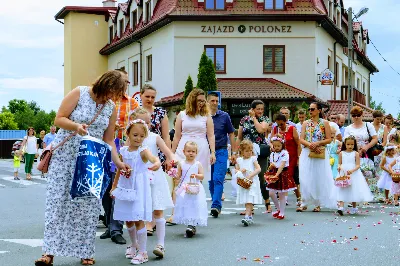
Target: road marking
2, 252
28, 242
227, 200
38, 177
2, 185
21, 182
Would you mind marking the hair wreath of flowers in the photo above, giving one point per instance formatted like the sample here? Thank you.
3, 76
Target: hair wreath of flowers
136, 121
281, 140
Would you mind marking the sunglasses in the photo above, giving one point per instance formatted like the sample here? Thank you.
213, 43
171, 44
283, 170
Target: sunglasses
358, 115
311, 109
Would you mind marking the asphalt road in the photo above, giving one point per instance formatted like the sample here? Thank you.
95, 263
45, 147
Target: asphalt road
369, 238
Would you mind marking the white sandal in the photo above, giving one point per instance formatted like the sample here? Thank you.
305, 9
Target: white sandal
140, 258
131, 252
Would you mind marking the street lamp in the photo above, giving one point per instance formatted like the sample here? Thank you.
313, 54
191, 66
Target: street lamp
362, 11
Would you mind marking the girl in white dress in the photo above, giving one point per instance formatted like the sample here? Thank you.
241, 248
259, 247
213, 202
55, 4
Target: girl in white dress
132, 190
190, 208
349, 163
247, 166
160, 195
394, 167
385, 180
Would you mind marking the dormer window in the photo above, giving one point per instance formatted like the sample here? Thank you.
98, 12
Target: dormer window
111, 33
121, 27
215, 4
134, 19
148, 11
274, 4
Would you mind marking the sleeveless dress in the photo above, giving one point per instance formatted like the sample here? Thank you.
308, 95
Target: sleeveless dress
195, 129
190, 209
315, 174
253, 194
358, 191
160, 195
285, 182
332, 150
133, 194
385, 181
291, 147
395, 190
70, 227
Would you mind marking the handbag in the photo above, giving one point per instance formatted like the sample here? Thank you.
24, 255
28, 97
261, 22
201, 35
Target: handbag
374, 150
43, 165
321, 155
192, 188
343, 181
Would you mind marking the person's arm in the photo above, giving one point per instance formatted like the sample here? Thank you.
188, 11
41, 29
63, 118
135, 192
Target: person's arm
44, 142
200, 175
178, 171
391, 166
211, 138
297, 140
257, 170
385, 136
280, 169
67, 106
239, 136
340, 162
260, 127
178, 133
147, 156
164, 149
116, 179
165, 131
303, 140
357, 165
382, 165
339, 137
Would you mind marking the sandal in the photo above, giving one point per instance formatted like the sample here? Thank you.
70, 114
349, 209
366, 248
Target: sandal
268, 207
150, 232
131, 252
301, 209
159, 251
28, 177
90, 261
45, 260
317, 209
140, 258
169, 221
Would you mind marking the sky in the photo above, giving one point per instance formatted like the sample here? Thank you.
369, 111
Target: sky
31, 50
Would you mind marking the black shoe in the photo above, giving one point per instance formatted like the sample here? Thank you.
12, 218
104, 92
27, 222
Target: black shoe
118, 239
105, 235
214, 212
340, 212
190, 231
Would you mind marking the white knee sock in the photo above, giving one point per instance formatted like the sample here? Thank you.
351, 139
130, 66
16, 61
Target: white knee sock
142, 239
132, 235
160, 231
275, 200
282, 204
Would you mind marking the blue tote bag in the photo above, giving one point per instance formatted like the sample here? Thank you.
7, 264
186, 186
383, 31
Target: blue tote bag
92, 170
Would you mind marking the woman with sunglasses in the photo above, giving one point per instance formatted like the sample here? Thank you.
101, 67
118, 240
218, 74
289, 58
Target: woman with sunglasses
314, 169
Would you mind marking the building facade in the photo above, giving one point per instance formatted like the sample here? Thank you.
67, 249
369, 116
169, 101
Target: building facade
274, 50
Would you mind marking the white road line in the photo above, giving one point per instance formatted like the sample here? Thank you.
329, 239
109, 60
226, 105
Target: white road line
2, 252
38, 177
28, 242
2, 185
21, 182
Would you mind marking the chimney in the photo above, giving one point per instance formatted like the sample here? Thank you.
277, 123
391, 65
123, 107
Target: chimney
109, 3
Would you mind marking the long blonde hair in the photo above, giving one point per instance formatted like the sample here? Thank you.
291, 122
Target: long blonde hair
138, 111
191, 104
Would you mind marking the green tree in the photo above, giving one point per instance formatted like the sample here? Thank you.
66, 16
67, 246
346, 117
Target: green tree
206, 79
25, 119
188, 89
7, 121
34, 106
16, 106
374, 106
43, 121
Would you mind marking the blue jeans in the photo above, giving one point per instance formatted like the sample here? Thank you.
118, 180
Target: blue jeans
218, 172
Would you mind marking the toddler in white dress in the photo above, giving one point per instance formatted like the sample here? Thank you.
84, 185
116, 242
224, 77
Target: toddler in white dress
385, 180
132, 190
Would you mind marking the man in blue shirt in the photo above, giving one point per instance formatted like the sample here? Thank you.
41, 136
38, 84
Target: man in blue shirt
222, 129
49, 137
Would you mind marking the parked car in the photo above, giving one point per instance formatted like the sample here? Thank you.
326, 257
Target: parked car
17, 146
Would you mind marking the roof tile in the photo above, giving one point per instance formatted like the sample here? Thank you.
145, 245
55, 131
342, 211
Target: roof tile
340, 107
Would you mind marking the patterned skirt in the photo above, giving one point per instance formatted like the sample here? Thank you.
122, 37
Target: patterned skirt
285, 182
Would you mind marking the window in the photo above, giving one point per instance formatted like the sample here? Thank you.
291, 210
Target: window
358, 84
111, 33
149, 61
148, 11
363, 87
329, 61
135, 73
121, 27
134, 19
217, 53
215, 4
274, 59
274, 4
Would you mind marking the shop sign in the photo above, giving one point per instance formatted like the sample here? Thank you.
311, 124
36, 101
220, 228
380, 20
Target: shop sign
326, 77
250, 29
241, 109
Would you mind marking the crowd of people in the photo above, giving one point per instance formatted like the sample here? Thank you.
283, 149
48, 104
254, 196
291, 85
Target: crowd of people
320, 160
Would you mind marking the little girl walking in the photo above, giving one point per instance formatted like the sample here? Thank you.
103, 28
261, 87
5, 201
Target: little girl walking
191, 205
248, 167
349, 164
278, 177
333, 148
394, 168
160, 195
132, 191
385, 181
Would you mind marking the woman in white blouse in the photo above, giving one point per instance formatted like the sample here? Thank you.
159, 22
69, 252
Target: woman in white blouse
30, 147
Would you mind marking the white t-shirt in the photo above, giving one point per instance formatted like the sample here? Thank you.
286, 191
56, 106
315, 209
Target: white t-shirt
298, 128
278, 157
361, 134
333, 124
31, 144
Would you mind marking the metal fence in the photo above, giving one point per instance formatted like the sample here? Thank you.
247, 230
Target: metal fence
12, 134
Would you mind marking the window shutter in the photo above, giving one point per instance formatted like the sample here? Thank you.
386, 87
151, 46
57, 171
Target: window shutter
268, 59
210, 4
220, 4
279, 57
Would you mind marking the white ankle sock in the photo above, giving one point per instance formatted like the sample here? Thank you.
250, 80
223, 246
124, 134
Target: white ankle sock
132, 235
160, 231
275, 200
282, 204
142, 239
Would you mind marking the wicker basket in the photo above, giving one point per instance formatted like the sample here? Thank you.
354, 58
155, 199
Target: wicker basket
270, 176
343, 181
192, 188
396, 177
244, 182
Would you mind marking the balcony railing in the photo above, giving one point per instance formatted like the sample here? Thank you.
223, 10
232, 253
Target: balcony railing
358, 96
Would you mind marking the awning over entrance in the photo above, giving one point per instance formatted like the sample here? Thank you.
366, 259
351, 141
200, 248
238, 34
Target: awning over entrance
251, 88
340, 107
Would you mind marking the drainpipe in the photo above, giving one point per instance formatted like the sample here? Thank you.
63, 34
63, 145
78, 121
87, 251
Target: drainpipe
334, 71
368, 100
141, 66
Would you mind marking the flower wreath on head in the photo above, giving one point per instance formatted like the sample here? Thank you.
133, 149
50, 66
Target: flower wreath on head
281, 140
136, 121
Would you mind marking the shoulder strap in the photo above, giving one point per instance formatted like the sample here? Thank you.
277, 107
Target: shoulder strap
76, 132
366, 125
